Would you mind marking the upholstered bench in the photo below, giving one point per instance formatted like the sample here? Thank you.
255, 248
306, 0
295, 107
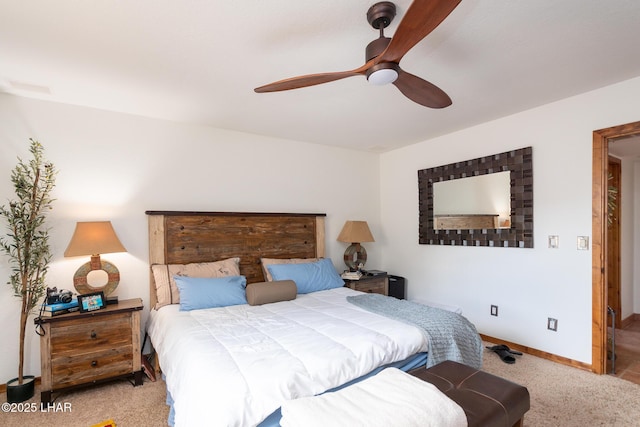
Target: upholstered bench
487, 400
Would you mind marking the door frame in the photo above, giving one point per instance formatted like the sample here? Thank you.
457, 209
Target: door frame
599, 245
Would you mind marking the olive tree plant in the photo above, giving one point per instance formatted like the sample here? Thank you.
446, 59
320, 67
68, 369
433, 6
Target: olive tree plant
26, 243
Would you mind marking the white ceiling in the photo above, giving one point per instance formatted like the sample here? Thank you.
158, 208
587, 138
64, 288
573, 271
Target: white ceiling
626, 147
198, 61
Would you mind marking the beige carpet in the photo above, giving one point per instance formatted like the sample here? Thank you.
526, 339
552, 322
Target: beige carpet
565, 396
560, 396
118, 400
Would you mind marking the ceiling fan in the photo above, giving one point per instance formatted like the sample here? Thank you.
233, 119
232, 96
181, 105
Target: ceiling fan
383, 55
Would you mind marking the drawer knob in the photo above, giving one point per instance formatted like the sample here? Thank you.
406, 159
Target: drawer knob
94, 363
93, 334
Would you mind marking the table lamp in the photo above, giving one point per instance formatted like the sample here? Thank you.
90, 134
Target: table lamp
95, 238
355, 232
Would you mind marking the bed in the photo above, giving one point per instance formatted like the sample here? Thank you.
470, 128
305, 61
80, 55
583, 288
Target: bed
235, 364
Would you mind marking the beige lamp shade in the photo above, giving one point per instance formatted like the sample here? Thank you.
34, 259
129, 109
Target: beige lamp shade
355, 232
95, 238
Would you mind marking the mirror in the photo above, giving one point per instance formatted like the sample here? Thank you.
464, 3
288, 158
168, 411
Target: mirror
476, 202
478, 228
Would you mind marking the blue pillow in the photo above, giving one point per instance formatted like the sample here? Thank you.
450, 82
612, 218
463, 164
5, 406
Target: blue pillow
207, 292
309, 276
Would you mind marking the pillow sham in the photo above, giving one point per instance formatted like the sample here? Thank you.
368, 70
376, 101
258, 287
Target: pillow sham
166, 289
207, 292
267, 292
309, 277
270, 261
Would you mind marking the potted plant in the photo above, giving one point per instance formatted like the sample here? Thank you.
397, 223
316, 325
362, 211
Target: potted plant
26, 244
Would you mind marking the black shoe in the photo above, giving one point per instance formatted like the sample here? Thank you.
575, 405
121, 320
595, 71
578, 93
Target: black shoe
505, 353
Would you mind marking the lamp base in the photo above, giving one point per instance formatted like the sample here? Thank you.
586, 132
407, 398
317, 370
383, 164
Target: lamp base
355, 257
81, 283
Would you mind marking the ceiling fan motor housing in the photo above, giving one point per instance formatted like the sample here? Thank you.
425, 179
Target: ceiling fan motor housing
376, 47
385, 72
381, 14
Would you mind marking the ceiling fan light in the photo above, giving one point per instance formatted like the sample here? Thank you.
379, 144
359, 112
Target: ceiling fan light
382, 74
383, 77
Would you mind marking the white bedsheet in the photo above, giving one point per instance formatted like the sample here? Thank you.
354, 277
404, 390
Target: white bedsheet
234, 366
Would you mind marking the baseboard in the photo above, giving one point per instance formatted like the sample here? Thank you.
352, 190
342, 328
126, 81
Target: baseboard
629, 320
539, 353
3, 387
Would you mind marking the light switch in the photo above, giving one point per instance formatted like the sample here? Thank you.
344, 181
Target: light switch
583, 243
554, 242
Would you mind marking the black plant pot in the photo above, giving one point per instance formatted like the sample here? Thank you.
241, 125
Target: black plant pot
17, 393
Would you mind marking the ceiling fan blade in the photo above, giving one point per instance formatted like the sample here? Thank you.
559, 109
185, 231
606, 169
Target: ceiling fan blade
421, 91
422, 17
310, 80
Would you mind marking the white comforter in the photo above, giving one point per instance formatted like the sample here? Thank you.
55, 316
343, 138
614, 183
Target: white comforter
234, 366
390, 398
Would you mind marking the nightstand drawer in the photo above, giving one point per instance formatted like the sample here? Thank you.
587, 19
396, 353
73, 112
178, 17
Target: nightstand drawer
81, 368
370, 284
91, 335
376, 287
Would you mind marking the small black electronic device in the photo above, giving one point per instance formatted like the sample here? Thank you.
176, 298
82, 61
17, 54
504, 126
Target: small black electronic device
55, 296
374, 273
92, 302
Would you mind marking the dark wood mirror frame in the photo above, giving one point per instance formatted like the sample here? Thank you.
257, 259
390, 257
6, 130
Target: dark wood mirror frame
520, 235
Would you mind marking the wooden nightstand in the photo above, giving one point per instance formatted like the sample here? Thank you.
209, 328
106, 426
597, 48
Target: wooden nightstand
372, 284
84, 348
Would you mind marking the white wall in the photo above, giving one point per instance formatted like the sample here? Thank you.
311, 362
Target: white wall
528, 285
115, 166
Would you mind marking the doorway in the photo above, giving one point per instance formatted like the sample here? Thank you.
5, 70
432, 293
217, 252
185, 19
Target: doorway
599, 265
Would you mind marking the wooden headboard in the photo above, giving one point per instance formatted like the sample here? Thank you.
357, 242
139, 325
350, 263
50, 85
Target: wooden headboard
177, 237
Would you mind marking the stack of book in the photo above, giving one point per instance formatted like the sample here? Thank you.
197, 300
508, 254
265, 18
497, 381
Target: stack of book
351, 275
57, 309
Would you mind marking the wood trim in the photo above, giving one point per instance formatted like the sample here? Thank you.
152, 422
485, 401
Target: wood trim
598, 250
157, 252
635, 317
205, 213
320, 237
136, 362
45, 357
598, 265
538, 353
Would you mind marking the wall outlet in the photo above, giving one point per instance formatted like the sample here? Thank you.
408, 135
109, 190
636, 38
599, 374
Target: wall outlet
494, 310
552, 324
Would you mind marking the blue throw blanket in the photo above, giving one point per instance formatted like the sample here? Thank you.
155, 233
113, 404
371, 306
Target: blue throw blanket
450, 335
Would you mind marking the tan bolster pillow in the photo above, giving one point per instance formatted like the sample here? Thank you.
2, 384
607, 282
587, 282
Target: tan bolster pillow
267, 292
